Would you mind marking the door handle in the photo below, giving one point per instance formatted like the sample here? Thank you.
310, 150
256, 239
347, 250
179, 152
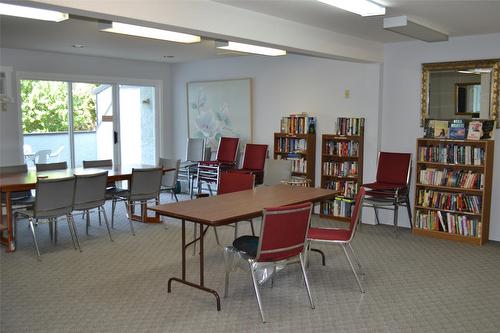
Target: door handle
115, 137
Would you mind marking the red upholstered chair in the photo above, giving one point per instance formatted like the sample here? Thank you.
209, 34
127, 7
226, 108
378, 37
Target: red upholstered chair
342, 237
281, 241
254, 159
209, 171
391, 188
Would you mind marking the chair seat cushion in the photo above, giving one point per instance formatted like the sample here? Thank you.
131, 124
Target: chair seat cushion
329, 234
247, 244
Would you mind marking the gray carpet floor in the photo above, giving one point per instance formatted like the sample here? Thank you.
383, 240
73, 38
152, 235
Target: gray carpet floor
413, 284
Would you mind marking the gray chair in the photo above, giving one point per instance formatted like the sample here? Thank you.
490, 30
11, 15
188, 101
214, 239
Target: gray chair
195, 152
54, 198
111, 188
42, 156
19, 198
169, 179
276, 171
144, 186
90, 193
51, 166
56, 154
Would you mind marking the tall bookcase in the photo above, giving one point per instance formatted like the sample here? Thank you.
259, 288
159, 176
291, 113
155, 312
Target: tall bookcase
301, 149
453, 189
342, 169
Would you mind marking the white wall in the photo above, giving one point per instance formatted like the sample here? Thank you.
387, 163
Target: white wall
66, 64
401, 96
291, 84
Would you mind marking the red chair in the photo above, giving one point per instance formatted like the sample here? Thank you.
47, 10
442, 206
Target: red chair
209, 171
391, 188
340, 236
281, 241
228, 183
254, 160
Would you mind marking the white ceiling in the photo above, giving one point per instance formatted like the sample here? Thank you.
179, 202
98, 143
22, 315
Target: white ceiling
456, 18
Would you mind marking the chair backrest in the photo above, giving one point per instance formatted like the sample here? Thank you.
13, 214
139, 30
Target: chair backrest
394, 168
228, 149
42, 156
51, 166
56, 154
14, 169
90, 190
277, 170
54, 197
97, 163
195, 149
145, 183
233, 182
283, 232
255, 156
356, 214
169, 179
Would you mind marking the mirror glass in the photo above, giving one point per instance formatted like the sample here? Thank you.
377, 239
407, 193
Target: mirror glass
460, 90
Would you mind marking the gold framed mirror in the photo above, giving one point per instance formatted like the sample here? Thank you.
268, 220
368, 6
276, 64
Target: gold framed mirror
460, 90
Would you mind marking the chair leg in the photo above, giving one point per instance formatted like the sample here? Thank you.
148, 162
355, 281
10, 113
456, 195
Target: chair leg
128, 205
87, 222
72, 220
356, 258
226, 285
55, 230
396, 206
352, 267
408, 208
71, 231
195, 233
99, 215
101, 209
376, 214
306, 280
51, 230
235, 230
251, 226
175, 196
216, 236
257, 294
32, 227
113, 206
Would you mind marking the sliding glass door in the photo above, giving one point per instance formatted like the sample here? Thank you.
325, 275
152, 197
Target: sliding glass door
76, 121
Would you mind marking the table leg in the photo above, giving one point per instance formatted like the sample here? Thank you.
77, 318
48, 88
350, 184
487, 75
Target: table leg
183, 280
10, 239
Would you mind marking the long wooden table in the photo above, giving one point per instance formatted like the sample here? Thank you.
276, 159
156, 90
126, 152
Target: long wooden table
12, 182
229, 208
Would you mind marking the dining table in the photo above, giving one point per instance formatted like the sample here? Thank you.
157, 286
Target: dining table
230, 208
23, 181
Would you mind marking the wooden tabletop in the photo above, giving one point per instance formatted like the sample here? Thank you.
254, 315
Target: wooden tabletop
237, 206
27, 180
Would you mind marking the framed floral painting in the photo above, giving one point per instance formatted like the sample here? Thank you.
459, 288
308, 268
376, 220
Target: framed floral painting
220, 108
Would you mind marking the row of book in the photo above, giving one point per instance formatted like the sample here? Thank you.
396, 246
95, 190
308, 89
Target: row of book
291, 145
298, 124
342, 207
299, 164
346, 188
460, 129
447, 222
452, 178
340, 169
451, 153
350, 126
342, 148
449, 201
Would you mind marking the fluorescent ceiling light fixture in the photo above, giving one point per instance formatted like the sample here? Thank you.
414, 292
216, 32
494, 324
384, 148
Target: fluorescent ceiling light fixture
360, 7
140, 31
248, 48
402, 25
32, 13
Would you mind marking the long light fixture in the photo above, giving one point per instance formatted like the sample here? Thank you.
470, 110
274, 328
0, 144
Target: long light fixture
32, 13
140, 31
402, 25
248, 48
360, 7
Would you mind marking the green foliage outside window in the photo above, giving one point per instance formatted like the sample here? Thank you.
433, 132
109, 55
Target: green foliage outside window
45, 106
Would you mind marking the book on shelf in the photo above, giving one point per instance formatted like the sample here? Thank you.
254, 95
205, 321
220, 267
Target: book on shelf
488, 129
298, 124
457, 129
441, 129
350, 126
475, 130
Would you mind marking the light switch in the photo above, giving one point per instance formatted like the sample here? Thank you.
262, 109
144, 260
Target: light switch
347, 93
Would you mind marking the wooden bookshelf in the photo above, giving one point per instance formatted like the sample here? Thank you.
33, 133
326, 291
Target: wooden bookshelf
338, 153
453, 189
300, 148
